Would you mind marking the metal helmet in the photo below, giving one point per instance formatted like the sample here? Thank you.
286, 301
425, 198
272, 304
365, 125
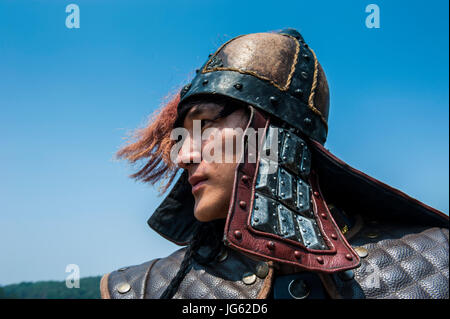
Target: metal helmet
274, 72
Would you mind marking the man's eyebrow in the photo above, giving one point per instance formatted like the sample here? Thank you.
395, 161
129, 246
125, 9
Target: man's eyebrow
199, 110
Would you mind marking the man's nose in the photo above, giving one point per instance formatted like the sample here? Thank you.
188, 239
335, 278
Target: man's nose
190, 153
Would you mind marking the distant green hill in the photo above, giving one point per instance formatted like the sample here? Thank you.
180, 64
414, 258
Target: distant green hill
89, 289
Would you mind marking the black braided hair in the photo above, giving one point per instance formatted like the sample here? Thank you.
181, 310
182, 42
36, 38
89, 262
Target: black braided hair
208, 235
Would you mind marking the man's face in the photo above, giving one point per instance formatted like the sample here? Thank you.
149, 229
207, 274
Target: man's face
211, 180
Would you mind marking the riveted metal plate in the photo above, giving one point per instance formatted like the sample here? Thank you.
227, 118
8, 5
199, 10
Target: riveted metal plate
267, 180
309, 232
271, 145
286, 222
286, 187
282, 199
292, 152
264, 214
305, 162
303, 196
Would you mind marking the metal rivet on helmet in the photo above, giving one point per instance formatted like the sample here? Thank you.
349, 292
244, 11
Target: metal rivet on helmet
273, 100
185, 89
238, 86
298, 92
307, 121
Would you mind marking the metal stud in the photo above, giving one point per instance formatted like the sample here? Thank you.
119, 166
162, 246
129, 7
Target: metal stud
273, 100
238, 86
222, 256
362, 252
187, 87
304, 75
249, 278
237, 234
307, 121
349, 257
298, 289
298, 92
372, 235
242, 204
319, 260
346, 275
205, 82
334, 236
306, 57
245, 178
262, 270
122, 269
297, 254
270, 245
323, 215
123, 288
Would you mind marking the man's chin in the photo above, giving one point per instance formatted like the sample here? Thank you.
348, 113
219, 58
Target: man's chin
204, 215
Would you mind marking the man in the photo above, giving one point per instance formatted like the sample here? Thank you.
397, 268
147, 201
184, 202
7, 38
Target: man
283, 218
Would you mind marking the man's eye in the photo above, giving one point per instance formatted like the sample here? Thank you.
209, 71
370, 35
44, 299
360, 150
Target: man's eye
203, 123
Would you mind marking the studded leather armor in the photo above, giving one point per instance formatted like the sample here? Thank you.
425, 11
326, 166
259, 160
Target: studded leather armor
396, 262
301, 223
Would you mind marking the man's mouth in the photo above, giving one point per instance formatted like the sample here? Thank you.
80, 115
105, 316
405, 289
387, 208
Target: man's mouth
197, 181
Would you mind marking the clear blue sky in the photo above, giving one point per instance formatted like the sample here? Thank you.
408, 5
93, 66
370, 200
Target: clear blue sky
69, 96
